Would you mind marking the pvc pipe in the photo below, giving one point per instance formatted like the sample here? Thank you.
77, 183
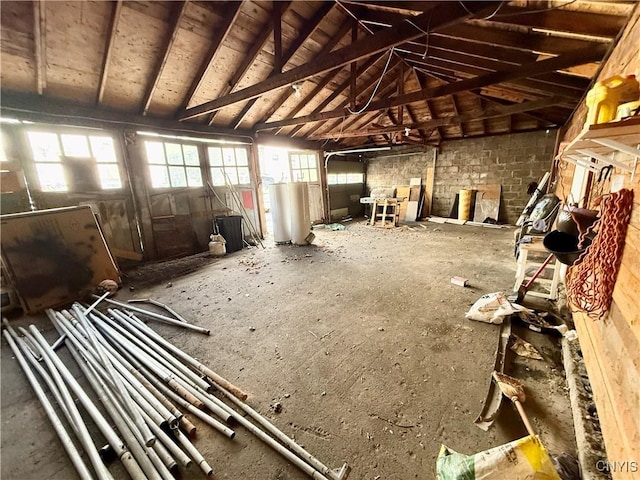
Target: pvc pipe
58, 370
118, 414
138, 392
193, 452
161, 305
190, 360
168, 443
164, 455
120, 389
188, 427
157, 316
65, 438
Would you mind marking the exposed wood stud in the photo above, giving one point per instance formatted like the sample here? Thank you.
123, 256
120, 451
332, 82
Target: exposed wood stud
543, 66
221, 34
108, 49
457, 112
354, 67
177, 15
248, 59
278, 61
380, 42
40, 45
401, 80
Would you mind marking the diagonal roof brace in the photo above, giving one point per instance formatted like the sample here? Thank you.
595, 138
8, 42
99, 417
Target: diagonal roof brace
435, 18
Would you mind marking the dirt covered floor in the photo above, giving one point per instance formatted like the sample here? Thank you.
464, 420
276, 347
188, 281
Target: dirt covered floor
360, 337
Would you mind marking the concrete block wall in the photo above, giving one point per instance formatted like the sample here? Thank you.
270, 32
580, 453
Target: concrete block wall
512, 161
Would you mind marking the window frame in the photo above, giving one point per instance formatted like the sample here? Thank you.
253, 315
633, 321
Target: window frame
168, 165
300, 177
224, 165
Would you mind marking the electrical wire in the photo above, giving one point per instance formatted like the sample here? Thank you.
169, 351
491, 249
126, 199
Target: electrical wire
514, 14
491, 15
375, 90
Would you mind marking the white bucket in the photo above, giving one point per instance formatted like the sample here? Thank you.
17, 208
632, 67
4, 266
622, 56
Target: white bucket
217, 246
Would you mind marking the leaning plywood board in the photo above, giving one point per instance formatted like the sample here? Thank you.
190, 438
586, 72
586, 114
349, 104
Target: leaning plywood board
54, 256
487, 203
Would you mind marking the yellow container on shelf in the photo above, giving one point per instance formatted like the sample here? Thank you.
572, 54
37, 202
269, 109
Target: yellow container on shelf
464, 204
603, 99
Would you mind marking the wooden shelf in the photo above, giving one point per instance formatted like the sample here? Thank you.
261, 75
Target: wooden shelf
597, 145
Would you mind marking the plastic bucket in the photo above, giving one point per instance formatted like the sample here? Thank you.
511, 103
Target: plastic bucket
464, 204
603, 99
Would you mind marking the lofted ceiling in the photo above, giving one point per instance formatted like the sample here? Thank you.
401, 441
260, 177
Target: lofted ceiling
345, 73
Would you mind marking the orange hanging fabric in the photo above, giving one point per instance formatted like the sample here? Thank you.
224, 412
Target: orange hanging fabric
590, 282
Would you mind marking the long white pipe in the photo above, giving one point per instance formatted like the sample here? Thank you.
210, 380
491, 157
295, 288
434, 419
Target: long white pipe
120, 389
173, 448
59, 371
157, 316
58, 426
213, 376
138, 392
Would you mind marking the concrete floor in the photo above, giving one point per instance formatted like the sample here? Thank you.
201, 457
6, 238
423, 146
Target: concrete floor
361, 338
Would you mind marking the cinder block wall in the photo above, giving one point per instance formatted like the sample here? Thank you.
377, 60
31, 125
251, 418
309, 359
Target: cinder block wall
509, 160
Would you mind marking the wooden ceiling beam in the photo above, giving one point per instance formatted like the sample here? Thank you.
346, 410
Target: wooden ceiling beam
278, 60
595, 24
528, 42
453, 119
177, 14
512, 73
457, 112
218, 39
108, 49
344, 28
249, 57
380, 42
40, 45
427, 103
306, 32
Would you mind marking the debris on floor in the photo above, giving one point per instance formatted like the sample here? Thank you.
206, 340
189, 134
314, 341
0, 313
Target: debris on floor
524, 459
144, 384
524, 348
493, 308
460, 281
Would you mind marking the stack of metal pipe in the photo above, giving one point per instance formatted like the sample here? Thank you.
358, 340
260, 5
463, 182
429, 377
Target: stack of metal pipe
144, 384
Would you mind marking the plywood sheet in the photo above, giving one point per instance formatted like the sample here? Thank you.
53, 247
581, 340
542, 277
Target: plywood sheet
487, 203
54, 256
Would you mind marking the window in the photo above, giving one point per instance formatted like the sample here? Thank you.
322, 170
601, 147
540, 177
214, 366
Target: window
173, 165
344, 178
229, 165
65, 161
304, 167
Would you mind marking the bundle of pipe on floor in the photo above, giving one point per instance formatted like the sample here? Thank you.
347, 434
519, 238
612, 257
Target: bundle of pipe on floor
143, 382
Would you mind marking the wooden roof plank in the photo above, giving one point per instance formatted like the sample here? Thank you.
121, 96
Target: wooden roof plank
523, 71
250, 56
364, 48
108, 51
221, 34
40, 45
178, 14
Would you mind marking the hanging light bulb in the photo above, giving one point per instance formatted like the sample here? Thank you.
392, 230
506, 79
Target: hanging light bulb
296, 89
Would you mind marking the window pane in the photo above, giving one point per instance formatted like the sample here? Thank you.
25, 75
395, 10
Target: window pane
102, 148
44, 146
194, 176
311, 161
305, 175
332, 178
215, 156
174, 153
232, 176
313, 175
75, 146
178, 177
109, 176
243, 176
342, 178
217, 175
295, 161
155, 152
297, 176
229, 156
304, 161
241, 156
159, 176
51, 177
191, 156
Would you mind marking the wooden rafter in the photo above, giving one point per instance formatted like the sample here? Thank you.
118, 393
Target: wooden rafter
534, 68
437, 18
40, 45
454, 119
278, 61
428, 105
177, 15
456, 110
222, 31
108, 49
323, 81
353, 66
306, 32
249, 58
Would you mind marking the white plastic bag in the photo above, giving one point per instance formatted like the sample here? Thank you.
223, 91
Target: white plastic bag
492, 308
